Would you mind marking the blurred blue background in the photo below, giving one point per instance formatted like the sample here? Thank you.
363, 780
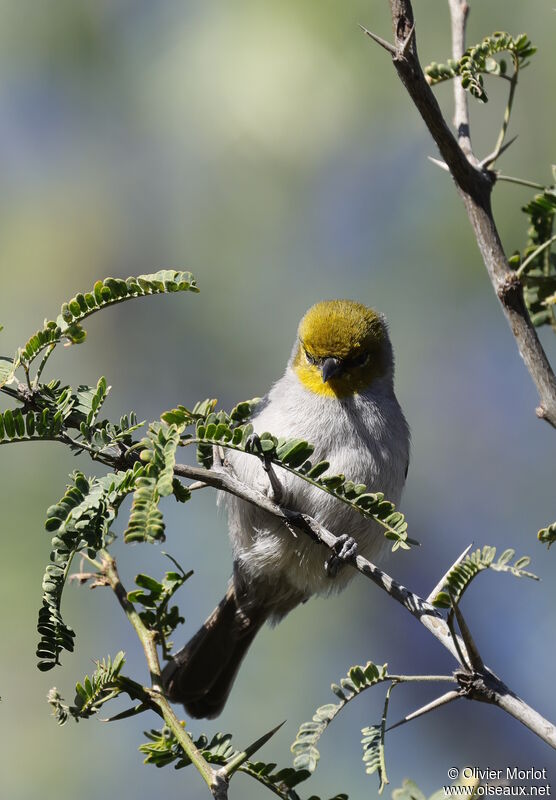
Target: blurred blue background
270, 148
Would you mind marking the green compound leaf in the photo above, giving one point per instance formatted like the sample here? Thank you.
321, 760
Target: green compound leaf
373, 753
158, 454
155, 598
103, 294
183, 416
80, 522
49, 336
105, 434
90, 696
90, 400
373, 745
19, 426
460, 576
304, 748
146, 523
57, 408
479, 60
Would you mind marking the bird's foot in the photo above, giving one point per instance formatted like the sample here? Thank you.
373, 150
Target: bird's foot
345, 550
254, 445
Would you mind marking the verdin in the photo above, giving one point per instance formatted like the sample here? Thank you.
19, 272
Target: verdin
338, 394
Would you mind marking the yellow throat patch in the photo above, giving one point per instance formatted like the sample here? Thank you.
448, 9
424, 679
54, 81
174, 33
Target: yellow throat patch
349, 332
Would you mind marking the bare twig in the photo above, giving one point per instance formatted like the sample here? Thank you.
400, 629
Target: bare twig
499, 147
459, 11
475, 187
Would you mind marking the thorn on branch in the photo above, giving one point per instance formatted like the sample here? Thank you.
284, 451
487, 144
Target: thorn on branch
477, 663
492, 157
456, 641
382, 42
397, 53
441, 583
439, 163
434, 704
408, 40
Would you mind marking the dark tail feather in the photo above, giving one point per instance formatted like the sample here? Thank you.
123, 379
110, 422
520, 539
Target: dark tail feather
201, 675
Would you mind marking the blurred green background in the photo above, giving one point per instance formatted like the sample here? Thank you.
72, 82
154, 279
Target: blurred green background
269, 148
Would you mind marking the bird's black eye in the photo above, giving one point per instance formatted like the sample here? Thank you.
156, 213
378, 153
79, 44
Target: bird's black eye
310, 358
360, 360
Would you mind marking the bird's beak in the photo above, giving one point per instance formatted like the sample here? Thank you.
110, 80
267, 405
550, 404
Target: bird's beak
330, 367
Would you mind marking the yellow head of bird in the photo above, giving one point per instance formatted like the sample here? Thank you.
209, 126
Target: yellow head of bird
342, 347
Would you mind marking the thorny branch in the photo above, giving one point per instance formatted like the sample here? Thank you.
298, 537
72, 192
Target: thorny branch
474, 184
483, 685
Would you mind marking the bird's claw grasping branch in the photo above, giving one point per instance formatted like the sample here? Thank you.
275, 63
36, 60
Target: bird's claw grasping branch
345, 549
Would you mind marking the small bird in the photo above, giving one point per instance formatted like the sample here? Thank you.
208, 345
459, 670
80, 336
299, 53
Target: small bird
338, 394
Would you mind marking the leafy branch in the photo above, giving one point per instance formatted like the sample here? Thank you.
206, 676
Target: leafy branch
102, 686
479, 60
304, 749
163, 749
358, 680
81, 523
155, 598
108, 292
173, 743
